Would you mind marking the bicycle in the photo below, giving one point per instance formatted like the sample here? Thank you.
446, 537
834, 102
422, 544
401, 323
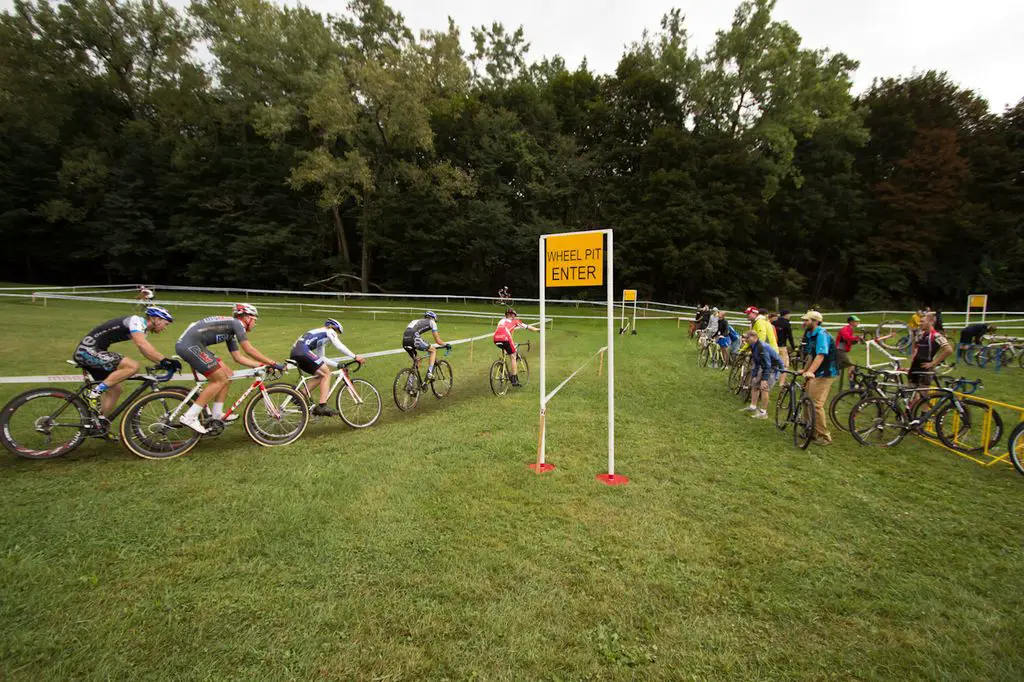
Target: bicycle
938, 411
794, 406
500, 374
359, 404
711, 354
151, 428
39, 414
864, 382
504, 298
739, 375
410, 383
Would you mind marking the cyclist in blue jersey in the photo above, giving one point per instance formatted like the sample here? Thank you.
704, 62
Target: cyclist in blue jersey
110, 368
192, 346
310, 355
412, 341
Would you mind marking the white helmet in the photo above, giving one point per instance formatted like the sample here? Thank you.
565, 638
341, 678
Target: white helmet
246, 309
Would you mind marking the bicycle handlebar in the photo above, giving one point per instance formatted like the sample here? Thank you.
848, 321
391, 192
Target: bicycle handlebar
160, 379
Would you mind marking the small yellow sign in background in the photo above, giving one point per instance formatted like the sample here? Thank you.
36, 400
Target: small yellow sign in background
574, 260
629, 295
978, 301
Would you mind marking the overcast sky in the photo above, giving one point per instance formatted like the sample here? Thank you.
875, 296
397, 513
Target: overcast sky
980, 43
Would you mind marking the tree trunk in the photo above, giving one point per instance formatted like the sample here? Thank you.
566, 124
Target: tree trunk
364, 273
339, 231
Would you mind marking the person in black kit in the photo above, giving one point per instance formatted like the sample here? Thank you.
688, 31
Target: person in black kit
930, 349
972, 335
784, 335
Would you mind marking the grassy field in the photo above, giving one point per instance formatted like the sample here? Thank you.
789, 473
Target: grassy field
423, 548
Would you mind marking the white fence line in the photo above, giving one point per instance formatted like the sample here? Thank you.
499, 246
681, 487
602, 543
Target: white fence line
558, 388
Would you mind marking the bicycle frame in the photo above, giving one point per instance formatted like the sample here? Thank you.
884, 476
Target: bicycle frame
341, 376
150, 382
257, 373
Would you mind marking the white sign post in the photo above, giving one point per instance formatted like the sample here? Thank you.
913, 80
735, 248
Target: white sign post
975, 301
627, 296
575, 259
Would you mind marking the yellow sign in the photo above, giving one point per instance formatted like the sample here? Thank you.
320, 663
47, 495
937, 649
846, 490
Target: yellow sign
574, 260
978, 301
629, 294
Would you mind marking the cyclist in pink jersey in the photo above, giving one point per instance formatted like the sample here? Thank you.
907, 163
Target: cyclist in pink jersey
503, 338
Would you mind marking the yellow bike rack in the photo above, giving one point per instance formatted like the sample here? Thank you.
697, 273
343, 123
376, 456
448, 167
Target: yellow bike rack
988, 456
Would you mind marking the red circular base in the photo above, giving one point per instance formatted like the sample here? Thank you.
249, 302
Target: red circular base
541, 468
613, 479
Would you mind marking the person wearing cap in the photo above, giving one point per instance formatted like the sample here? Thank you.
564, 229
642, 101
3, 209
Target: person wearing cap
845, 341
764, 372
821, 371
759, 323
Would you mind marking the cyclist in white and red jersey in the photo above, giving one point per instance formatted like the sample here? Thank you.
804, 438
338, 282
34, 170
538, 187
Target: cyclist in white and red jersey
503, 338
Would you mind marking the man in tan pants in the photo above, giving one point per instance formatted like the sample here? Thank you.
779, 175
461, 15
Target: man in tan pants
821, 371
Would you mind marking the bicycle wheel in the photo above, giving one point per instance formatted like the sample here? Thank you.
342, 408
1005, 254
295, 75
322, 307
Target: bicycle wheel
900, 334
970, 355
840, 407
803, 423
876, 422
406, 389
704, 356
499, 378
150, 428
1016, 445
963, 427
359, 406
734, 377
783, 408
443, 379
44, 423
276, 416
523, 371
925, 408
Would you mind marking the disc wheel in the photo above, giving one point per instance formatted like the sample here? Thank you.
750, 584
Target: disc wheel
443, 379
276, 416
360, 406
406, 389
876, 422
150, 428
803, 423
499, 378
44, 423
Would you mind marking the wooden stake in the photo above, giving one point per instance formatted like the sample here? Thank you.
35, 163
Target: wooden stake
600, 364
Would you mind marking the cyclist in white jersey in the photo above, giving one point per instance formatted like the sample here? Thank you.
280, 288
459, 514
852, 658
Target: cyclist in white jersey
310, 355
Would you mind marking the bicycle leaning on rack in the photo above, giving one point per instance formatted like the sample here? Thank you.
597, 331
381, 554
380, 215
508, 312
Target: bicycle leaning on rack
501, 371
931, 411
411, 382
44, 423
1016, 446
358, 402
794, 406
276, 415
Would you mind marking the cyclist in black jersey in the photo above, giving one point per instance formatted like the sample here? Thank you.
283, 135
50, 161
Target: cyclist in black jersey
413, 342
192, 347
110, 368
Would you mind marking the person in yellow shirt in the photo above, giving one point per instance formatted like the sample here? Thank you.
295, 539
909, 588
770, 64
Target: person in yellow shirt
760, 324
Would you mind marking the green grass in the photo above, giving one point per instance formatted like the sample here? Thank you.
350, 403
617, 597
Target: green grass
423, 548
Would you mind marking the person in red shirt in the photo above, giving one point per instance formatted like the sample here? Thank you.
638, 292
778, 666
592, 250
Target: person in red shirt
844, 343
503, 338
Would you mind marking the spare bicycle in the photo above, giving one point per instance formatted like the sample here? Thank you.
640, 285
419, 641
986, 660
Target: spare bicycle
410, 382
794, 406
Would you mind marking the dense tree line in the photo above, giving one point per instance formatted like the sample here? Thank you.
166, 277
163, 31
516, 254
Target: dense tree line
245, 143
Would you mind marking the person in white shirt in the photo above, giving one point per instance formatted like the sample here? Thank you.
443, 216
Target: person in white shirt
310, 355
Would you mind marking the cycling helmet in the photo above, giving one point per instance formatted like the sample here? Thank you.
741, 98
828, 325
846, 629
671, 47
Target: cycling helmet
752, 310
431, 314
511, 311
246, 309
146, 294
332, 323
157, 311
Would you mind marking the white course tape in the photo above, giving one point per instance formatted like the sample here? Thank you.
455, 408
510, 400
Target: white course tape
558, 388
76, 378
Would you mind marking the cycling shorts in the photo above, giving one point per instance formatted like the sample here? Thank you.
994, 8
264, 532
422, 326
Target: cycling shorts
411, 345
98, 363
306, 360
198, 357
724, 341
507, 346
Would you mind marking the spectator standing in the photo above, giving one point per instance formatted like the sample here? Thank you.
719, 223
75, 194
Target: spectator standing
845, 341
765, 368
820, 371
